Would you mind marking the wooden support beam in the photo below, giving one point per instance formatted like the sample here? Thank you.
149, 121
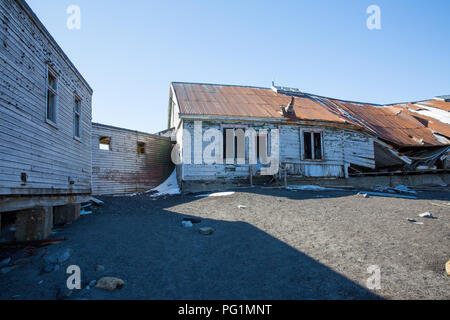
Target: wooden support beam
34, 224
66, 214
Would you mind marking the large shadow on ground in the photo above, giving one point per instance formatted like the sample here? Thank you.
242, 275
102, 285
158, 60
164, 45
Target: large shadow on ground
163, 260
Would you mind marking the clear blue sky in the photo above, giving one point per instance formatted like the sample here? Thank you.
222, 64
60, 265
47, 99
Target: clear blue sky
130, 51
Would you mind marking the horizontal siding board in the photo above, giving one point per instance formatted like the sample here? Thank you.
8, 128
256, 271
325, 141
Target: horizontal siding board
122, 170
50, 157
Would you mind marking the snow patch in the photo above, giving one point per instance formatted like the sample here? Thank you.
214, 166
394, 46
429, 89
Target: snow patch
218, 194
438, 114
168, 187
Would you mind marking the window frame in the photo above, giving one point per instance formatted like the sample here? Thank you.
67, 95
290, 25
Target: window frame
313, 146
54, 91
75, 114
139, 145
100, 144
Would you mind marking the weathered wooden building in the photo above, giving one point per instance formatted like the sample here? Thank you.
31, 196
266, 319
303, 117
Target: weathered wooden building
317, 136
45, 125
126, 161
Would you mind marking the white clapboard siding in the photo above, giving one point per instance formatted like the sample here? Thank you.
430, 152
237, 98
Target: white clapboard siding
340, 148
49, 156
122, 170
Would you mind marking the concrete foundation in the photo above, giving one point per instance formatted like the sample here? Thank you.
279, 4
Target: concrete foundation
34, 224
66, 214
368, 182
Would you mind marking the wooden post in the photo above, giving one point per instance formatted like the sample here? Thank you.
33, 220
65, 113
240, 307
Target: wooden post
285, 177
66, 214
34, 224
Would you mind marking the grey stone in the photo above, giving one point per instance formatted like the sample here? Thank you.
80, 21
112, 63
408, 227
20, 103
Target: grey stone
99, 268
206, 231
59, 256
110, 283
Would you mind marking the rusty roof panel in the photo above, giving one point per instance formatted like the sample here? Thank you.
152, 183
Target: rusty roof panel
391, 123
439, 104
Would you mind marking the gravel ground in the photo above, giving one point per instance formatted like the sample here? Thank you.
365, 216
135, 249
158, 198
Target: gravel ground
283, 245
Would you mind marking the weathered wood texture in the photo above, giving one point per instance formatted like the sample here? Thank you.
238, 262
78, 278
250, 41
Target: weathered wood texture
122, 170
49, 156
341, 148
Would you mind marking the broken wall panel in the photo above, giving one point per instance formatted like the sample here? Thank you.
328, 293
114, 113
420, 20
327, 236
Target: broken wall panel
134, 162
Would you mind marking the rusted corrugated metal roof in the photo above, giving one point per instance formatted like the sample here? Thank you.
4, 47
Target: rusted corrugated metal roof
221, 100
396, 124
439, 104
391, 123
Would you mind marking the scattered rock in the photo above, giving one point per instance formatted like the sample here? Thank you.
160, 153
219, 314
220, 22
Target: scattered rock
59, 256
41, 282
99, 268
110, 283
447, 267
206, 231
6, 270
92, 283
187, 224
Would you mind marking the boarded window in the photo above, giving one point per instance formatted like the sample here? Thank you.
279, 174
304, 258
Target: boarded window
105, 143
52, 87
312, 145
141, 148
77, 118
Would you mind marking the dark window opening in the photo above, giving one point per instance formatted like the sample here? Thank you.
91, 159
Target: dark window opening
317, 146
261, 146
307, 145
51, 97
312, 145
141, 148
77, 118
105, 143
